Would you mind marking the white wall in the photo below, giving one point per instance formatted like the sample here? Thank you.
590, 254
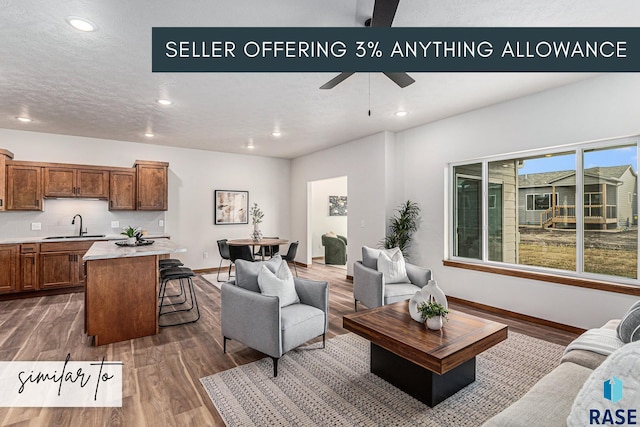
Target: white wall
193, 176
603, 107
363, 163
321, 221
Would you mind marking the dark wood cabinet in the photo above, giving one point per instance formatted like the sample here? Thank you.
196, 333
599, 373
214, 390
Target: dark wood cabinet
5, 155
122, 190
152, 187
9, 268
29, 258
24, 187
76, 182
61, 264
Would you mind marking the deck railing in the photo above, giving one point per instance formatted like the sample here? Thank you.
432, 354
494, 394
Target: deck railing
567, 213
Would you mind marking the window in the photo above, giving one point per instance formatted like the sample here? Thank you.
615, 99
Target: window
564, 211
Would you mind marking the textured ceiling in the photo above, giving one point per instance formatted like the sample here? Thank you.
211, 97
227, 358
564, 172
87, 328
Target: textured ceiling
100, 84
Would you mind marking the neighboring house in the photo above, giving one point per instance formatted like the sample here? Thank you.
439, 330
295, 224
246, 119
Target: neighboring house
548, 199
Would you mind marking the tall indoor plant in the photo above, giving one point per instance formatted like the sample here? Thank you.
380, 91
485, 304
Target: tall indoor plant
402, 226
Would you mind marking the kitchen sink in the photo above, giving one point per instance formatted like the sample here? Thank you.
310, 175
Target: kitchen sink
86, 236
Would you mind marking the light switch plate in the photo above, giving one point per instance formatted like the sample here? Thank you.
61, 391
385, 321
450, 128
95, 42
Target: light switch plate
160, 223
115, 224
36, 226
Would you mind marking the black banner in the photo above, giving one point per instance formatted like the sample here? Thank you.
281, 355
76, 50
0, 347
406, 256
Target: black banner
395, 49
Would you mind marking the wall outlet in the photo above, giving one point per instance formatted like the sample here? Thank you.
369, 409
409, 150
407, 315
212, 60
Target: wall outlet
115, 224
160, 223
36, 226
205, 255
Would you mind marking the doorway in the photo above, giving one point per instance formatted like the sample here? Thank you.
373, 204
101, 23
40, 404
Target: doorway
328, 210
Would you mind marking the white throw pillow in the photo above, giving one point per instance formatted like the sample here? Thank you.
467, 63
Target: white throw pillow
280, 284
393, 268
623, 366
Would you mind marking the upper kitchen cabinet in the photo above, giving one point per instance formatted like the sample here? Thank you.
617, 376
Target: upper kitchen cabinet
4, 156
24, 187
152, 187
76, 182
122, 190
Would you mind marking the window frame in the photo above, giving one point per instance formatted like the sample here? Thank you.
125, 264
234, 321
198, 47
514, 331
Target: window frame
578, 150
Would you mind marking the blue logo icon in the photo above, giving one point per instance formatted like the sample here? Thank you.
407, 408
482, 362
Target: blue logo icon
613, 389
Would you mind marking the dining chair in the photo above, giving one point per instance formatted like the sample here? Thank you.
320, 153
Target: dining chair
223, 247
240, 252
291, 255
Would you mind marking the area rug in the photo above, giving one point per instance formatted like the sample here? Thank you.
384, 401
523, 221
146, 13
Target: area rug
212, 279
333, 387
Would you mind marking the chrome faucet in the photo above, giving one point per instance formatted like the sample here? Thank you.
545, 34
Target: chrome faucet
73, 221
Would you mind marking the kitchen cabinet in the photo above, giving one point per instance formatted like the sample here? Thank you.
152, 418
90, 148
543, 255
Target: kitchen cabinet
9, 268
4, 156
61, 264
24, 187
122, 190
152, 191
29, 258
76, 182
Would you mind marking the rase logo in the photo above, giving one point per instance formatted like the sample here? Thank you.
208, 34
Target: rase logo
612, 390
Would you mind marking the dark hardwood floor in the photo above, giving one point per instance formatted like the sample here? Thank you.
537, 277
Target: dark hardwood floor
161, 373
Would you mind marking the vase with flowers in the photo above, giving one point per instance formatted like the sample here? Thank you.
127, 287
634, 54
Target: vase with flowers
256, 218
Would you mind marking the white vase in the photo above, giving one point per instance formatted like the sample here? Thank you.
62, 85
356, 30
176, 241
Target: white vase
435, 323
256, 236
433, 292
131, 240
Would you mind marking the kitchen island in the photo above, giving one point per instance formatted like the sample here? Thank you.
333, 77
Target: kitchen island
121, 290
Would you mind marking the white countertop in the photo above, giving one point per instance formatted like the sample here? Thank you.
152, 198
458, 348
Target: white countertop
106, 250
16, 240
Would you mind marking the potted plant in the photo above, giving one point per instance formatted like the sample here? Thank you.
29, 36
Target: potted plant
256, 218
402, 226
433, 313
132, 234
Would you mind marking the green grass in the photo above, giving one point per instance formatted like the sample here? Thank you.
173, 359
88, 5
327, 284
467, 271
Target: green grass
613, 262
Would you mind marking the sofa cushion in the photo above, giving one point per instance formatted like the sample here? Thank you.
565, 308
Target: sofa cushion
300, 323
370, 256
399, 292
279, 284
586, 358
392, 268
623, 365
247, 272
629, 326
548, 402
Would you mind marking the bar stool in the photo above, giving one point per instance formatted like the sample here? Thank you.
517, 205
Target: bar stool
171, 263
182, 274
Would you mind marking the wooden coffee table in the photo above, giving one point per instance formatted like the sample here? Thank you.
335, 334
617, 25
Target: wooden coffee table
428, 365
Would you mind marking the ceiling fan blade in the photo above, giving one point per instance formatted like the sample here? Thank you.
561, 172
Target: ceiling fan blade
336, 80
383, 12
401, 79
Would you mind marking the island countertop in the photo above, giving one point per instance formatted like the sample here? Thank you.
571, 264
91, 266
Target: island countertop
107, 250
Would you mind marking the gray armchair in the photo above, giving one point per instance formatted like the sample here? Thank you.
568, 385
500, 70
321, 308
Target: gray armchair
257, 320
335, 249
369, 286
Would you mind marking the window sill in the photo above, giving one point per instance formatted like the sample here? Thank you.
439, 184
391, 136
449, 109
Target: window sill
546, 277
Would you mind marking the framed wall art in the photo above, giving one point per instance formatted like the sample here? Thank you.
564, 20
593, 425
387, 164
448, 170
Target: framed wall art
231, 207
337, 205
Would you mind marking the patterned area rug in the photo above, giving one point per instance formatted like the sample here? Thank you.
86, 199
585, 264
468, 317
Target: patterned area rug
333, 387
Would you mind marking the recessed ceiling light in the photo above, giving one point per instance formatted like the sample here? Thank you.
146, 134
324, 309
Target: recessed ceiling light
251, 146
24, 119
149, 135
163, 101
81, 24
401, 113
276, 133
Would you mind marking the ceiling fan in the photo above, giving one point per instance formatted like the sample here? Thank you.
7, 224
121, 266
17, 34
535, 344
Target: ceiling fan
383, 13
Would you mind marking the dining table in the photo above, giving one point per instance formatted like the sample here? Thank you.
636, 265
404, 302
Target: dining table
261, 243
